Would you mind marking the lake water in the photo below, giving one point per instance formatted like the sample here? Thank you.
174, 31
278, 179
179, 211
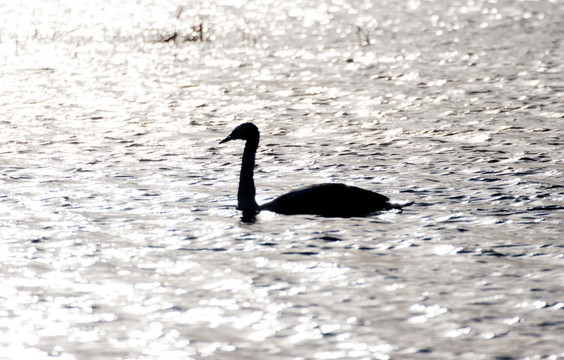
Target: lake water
119, 233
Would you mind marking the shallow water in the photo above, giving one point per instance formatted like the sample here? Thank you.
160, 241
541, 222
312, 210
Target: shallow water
119, 234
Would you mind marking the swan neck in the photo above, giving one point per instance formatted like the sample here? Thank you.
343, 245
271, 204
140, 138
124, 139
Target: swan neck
246, 194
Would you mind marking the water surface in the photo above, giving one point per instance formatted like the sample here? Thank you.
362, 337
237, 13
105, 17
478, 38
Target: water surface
119, 233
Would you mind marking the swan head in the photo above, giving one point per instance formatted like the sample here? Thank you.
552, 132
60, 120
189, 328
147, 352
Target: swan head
246, 131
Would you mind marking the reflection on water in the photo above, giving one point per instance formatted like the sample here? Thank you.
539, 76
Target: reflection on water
119, 234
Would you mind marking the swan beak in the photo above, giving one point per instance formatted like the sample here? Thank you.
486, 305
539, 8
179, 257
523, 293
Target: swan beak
226, 139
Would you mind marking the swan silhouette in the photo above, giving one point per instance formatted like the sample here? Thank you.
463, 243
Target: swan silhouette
330, 200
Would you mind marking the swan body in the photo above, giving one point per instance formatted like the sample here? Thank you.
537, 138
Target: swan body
332, 200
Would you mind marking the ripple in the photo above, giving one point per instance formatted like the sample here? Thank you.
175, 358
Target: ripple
120, 237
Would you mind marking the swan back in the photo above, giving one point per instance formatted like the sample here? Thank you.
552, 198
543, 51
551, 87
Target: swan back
332, 200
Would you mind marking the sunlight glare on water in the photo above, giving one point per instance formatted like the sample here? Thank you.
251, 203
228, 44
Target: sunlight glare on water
120, 236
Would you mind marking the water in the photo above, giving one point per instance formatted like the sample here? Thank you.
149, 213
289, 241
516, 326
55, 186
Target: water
119, 233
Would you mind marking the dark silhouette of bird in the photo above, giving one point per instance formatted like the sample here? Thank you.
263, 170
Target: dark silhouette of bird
331, 200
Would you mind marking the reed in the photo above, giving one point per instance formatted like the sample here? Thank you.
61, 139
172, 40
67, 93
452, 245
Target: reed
197, 33
192, 33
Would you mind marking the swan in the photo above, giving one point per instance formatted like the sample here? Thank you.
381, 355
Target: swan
330, 200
